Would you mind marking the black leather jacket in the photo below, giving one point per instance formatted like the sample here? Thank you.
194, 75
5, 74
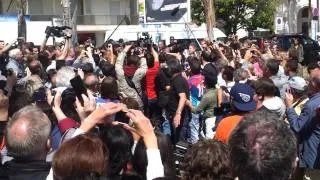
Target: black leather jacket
25, 170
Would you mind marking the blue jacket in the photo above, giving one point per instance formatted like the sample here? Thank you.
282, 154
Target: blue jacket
307, 127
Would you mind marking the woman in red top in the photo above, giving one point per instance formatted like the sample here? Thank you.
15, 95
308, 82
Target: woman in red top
153, 69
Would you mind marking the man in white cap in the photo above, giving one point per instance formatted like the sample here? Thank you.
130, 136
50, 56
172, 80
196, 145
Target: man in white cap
307, 128
298, 88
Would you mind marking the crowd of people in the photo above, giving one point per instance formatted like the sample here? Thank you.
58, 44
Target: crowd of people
79, 112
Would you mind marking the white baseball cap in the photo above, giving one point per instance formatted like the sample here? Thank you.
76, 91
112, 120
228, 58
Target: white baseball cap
297, 83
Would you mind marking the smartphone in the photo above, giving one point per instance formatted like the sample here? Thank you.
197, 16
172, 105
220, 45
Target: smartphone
130, 124
79, 87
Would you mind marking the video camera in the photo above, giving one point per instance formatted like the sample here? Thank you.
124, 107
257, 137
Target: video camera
56, 31
145, 41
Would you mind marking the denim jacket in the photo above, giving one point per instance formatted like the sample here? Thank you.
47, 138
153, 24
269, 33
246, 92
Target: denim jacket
307, 127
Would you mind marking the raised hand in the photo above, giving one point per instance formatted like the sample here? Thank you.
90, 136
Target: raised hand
89, 105
99, 114
55, 102
144, 128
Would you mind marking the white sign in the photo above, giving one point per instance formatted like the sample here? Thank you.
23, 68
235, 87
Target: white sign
279, 23
314, 30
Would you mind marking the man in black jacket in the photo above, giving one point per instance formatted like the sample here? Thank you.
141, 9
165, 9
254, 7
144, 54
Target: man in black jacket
27, 141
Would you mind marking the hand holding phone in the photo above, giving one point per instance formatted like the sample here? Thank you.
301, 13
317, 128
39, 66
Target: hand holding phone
288, 97
79, 88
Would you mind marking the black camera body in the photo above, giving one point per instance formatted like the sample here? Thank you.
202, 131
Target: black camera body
146, 41
56, 31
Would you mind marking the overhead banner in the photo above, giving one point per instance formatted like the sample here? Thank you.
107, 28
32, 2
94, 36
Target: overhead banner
167, 11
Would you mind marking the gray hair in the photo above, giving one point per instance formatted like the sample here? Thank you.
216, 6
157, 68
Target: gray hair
241, 75
38, 129
13, 53
64, 75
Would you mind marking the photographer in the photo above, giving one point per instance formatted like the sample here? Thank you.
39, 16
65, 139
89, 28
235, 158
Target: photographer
108, 54
85, 57
59, 53
4, 55
4, 48
131, 73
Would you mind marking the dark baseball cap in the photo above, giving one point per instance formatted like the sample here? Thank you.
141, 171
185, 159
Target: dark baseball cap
242, 97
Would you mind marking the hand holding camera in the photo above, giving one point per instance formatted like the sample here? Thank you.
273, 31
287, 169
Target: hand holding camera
99, 114
57, 31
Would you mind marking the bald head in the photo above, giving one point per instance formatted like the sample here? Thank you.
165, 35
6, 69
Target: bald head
20, 129
27, 134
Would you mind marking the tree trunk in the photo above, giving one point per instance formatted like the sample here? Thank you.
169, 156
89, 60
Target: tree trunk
22, 29
209, 6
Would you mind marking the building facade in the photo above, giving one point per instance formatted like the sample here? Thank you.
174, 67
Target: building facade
293, 16
92, 16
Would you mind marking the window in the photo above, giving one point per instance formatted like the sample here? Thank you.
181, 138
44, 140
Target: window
114, 8
35, 7
305, 12
87, 7
96, 7
45, 7
305, 28
4, 5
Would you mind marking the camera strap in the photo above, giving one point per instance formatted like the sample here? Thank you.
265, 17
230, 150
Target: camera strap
132, 85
